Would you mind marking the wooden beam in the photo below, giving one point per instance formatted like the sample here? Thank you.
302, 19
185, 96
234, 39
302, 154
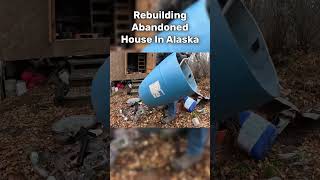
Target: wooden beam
1, 80
52, 20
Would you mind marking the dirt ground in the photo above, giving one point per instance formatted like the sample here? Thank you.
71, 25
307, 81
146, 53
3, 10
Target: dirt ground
153, 119
25, 126
150, 159
296, 152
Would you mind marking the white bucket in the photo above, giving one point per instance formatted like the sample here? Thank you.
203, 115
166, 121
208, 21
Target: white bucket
21, 88
10, 87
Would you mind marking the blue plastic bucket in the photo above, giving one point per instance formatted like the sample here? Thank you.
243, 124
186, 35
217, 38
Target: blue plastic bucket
167, 82
256, 135
199, 26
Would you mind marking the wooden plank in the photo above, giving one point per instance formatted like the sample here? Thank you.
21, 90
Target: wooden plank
117, 65
151, 61
1, 80
80, 47
52, 20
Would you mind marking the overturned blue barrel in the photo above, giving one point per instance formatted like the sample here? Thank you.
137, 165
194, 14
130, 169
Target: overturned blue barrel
243, 72
100, 94
168, 82
199, 26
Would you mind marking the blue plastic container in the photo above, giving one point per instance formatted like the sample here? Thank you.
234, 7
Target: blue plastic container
257, 135
199, 26
244, 74
168, 82
100, 94
190, 104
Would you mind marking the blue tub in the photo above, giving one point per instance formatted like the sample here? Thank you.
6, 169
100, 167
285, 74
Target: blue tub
168, 82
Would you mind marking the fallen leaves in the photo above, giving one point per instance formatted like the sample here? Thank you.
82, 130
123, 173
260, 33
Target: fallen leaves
25, 126
150, 158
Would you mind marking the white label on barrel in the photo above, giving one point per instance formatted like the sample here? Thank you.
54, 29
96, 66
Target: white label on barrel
155, 89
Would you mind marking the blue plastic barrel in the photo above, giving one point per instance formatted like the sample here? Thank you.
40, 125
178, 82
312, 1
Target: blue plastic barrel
243, 72
199, 26
167, 82
256, 136
100, 94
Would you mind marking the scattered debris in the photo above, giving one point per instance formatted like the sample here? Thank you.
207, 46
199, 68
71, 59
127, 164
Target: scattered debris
203, 110
196, 122
133, 101
287, 156
69, 126
312, 116
97, 132
34, 157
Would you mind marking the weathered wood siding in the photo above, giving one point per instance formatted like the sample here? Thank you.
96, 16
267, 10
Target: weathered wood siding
118, 65
25, 33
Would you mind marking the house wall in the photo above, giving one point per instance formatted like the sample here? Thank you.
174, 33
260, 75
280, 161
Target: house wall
118, 65
25, 33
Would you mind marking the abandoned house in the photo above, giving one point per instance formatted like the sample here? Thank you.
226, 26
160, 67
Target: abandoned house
57, 29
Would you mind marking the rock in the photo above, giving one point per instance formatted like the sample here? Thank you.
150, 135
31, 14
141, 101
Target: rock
132, 101
34, 157
51, 178
73, 124
97, 132
42, 172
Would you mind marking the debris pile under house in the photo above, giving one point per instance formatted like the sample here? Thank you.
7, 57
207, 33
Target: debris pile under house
127, 110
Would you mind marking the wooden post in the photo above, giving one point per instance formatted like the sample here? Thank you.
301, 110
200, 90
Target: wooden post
1, 80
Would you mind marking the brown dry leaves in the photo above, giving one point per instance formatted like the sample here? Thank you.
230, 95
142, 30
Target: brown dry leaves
300, 77
26, 126
150, 158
